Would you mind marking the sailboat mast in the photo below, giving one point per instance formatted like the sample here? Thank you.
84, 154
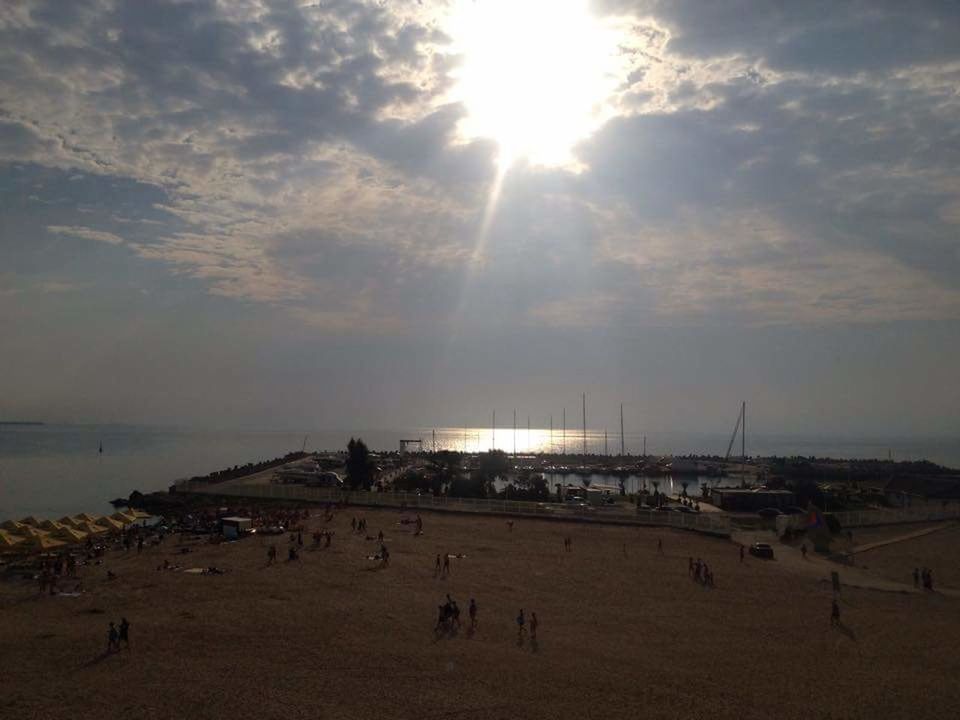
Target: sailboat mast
564, 436
584, 423
622, 451
493, 432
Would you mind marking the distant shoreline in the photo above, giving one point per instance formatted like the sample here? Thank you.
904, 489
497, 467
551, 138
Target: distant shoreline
21, 422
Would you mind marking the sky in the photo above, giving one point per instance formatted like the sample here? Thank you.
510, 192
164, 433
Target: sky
285, 215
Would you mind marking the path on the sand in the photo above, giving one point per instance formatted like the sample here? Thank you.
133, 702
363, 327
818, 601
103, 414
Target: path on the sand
791, 559
899, 538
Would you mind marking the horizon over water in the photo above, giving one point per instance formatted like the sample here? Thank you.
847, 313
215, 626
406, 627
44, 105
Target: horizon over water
53, 470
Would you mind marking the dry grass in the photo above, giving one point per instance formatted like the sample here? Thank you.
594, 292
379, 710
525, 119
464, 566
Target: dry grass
332, 637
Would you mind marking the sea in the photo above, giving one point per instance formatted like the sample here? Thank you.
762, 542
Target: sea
55, 470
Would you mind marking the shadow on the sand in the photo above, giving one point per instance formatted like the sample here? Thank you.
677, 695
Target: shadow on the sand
98, 658
846, 630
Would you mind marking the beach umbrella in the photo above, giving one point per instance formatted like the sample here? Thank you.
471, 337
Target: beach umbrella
86, 517
68, 521
8, 540
92, 528
32, 532
13, 526
31, 521
51, 525
110, 524
139, 514
44, 543
123, 518
70, 535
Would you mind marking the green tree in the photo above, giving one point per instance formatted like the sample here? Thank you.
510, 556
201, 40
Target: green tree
358, 465
493, 464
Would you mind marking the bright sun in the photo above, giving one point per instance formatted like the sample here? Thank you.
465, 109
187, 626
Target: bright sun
537, 75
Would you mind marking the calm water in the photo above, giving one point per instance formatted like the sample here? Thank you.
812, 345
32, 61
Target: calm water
53, 470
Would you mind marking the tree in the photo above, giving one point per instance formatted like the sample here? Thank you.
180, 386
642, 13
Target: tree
493, 464
358, 465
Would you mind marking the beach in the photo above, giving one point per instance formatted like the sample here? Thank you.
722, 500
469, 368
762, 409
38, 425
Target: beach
624, 631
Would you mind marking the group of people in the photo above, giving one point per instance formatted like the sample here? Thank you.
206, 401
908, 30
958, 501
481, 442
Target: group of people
359, 525
442, 569
117, 635
322, 536
924, 576
700, 572
521, 625
448, 615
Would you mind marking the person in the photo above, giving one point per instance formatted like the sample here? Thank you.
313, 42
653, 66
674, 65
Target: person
533, 626
124, 633
446, 563
292, 553
384, 556
300, 538
835, 613
916, 577
803, 550
660, 546
455, 612
272, 555
473, 613
113, 638
380, 537
520, 623
510, 525
437, 569
139, 544
690, 567
353, 524
741, 553
441, 617
419, 525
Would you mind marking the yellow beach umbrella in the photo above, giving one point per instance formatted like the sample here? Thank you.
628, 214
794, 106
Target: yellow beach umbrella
110, 524
68, 521
86, 517
43, 542
32, 532
31, 521
123, 518
92, 528
13, 526
8, 540
70, 535
51, 525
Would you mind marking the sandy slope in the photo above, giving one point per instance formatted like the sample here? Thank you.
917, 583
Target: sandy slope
622, 634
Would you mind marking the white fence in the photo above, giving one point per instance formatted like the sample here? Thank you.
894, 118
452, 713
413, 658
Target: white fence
715, 523
930, 513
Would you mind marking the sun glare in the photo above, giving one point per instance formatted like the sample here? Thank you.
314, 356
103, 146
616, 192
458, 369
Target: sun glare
537, 75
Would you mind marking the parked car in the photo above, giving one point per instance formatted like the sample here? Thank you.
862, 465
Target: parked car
769, 512
761, 550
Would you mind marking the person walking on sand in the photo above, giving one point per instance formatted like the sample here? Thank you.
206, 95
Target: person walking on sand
741, 553
660, 546
419, 525
533, 625
803, 550
916, 577
835, 614
436, 570
446, 563
520, 625
124, 633
473, 614
113, 638
272, 555
353, 524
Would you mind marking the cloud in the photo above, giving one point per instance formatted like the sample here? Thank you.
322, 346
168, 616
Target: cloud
86, 234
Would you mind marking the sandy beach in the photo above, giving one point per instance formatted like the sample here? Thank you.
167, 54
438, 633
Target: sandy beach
624, 631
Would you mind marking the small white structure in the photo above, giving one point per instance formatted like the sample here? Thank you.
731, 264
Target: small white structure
235, 527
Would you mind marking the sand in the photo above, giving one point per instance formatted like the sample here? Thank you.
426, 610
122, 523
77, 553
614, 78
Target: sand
332, 636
